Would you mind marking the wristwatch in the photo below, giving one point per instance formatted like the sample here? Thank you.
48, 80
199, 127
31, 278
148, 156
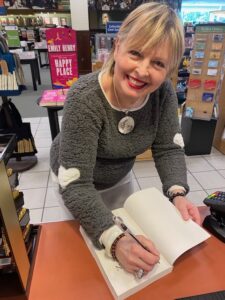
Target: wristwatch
172, 196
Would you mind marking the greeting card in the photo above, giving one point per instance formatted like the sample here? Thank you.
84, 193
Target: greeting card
217, 46
214, 55
207, 97
213, 63
212, 72
198, 63
194, 83
196, 71
199, 54
200, 46
210, 84
218, 37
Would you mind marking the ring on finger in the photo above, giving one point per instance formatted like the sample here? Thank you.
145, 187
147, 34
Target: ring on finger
139, 273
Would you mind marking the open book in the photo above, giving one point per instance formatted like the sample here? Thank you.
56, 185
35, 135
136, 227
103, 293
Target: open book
150, 213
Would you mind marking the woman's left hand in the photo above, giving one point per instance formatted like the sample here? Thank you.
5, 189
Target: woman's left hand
187, 209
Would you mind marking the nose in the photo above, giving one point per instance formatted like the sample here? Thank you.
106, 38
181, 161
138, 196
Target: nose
144, 67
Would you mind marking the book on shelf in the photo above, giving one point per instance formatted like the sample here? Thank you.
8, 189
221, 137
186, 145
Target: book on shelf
24, 217
150, 213
5, 261
18, 200
53, 97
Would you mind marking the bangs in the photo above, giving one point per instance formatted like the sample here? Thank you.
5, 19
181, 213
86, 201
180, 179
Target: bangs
148, 27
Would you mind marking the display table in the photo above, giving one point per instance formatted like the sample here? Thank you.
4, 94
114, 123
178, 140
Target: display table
35, 72
53, 101
45, 51
65, 269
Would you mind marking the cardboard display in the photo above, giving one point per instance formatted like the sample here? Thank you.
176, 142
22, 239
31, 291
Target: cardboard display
62, 52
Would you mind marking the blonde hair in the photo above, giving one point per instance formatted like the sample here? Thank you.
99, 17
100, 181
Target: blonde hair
148, 26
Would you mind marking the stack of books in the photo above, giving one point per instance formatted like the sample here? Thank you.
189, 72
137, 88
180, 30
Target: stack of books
53, 97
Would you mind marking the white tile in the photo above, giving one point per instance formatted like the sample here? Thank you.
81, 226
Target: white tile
135, 185
43, 152
36, 216
214, 152
218, 162
222, 189
34, 127
222, 172
53, 214
150, 182
43, 134
44, 142
193, 184
42, 165
53, 197
44, 126
51, 182
197, 197
199, 164
210, 180
44, 120
145, 169
32, 120
30, 180
34, 198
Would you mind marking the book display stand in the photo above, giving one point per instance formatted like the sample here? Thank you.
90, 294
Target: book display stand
23, 157
204, 88
17, 236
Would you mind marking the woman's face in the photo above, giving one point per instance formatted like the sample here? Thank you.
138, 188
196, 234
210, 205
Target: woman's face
136, 73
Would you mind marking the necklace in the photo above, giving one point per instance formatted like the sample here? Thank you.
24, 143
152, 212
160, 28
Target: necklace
126, 124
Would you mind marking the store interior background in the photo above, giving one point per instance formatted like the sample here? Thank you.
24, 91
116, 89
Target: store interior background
206, 173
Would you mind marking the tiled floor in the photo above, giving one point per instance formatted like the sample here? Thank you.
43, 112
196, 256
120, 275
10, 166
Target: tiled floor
206, 173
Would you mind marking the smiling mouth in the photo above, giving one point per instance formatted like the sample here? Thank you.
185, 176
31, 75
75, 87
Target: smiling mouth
135, 83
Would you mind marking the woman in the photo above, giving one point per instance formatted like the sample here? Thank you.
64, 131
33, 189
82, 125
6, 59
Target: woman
112, 116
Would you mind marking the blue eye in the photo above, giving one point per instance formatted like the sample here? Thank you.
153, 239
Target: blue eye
159, 64
135, 53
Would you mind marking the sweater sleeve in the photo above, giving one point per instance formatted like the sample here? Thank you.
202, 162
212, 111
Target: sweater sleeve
81, 127
167, 148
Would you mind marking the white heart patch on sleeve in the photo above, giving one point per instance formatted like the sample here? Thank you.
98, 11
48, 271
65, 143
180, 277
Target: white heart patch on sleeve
66, 176
178, 140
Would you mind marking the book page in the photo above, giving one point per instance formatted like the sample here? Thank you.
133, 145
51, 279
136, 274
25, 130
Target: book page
121, 283
163, 224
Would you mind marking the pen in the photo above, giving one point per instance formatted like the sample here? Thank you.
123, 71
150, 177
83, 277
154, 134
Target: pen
119, 222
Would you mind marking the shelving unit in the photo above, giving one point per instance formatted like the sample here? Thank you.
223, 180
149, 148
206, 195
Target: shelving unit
15, 264
184, 68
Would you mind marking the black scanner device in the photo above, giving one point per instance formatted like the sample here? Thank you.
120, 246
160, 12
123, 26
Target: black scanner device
215, 222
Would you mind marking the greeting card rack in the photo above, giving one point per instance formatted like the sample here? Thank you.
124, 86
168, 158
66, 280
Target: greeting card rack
204, 88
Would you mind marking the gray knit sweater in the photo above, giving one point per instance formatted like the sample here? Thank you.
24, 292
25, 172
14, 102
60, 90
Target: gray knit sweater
90, 141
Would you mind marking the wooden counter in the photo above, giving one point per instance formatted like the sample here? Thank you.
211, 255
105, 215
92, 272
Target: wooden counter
65, 269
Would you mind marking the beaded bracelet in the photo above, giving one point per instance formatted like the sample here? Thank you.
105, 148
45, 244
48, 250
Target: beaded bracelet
113, 247
176, 195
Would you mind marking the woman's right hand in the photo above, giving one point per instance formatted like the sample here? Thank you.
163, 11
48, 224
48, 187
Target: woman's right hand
133, 257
